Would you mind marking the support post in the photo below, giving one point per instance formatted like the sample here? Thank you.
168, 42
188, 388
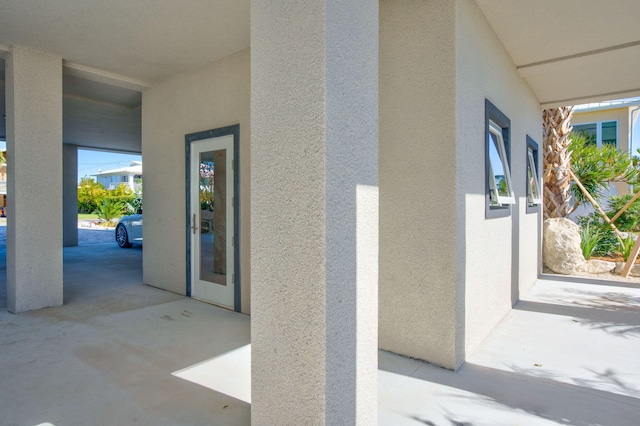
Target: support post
314, 211
70, 195
34, 175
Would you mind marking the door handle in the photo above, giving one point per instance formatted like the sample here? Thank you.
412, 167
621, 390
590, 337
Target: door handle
194, 227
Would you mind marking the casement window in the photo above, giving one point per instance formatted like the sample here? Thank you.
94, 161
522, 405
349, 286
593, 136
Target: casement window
534, 193
600, 133
499, 190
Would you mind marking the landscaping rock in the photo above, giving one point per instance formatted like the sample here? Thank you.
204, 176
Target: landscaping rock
635, 269
595, 266
561, 246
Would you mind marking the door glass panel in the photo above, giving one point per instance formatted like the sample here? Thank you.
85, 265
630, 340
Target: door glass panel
213, 220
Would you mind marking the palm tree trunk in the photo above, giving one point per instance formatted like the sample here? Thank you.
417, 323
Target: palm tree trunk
556, 160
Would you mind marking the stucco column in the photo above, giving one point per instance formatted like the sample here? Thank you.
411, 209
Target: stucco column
70, 195
421, 268
34, 175
314, 207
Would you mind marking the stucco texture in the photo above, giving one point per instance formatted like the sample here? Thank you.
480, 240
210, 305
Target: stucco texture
419, 295
448, 275
34, 149
314, 212
210, 97
499, 257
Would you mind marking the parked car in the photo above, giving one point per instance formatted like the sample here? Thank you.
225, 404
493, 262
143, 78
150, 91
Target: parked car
129, 230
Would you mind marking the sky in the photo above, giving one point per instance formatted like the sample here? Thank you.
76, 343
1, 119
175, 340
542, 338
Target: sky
90, 162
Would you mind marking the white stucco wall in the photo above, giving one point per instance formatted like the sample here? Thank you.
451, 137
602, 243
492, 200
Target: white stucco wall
209, 97
448, 275
420, 305
497, 257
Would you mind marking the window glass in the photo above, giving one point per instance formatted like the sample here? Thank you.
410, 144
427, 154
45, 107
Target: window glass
590, 131
533, 185
499, 194
499, 180
600, 133
610, 133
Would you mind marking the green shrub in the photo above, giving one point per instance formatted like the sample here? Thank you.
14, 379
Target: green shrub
608, 242
597, 167
589, 239
90, 195
110, 210
625, 246
629, 221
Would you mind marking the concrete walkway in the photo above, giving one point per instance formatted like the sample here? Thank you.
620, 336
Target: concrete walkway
106, 356
566, 354
121, 353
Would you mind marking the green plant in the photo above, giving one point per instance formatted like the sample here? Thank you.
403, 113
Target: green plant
597, 167
589, 239
134, 205
629, 221
624, 247
90, 195
110, 210
607, 242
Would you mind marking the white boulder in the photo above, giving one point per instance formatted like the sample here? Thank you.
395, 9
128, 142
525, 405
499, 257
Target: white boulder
561, 246
595, 266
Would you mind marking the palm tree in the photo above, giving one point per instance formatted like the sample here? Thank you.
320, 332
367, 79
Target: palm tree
556, 124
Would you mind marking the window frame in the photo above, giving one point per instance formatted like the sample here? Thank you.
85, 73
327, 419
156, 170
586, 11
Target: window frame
599, 130
533, 205
500, 125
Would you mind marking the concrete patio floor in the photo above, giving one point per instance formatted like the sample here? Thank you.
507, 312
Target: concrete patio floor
121, 353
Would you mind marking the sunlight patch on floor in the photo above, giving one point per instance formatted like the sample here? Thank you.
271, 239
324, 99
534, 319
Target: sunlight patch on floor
229, 373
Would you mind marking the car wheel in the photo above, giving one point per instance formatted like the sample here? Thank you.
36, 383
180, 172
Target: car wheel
122, 238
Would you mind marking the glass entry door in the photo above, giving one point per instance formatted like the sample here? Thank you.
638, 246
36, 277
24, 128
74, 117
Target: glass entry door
212, 220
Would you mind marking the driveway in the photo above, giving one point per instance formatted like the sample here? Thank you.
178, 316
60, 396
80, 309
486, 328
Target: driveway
85, 235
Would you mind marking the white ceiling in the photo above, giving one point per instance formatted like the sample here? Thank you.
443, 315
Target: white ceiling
114, 49
145, 40
571, 51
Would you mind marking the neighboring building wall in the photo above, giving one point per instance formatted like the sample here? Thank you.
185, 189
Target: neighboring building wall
113, 181
209, 97
498, 258
622, 116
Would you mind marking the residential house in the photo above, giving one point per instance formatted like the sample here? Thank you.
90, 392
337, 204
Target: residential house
131, 176
370, 157
608, 123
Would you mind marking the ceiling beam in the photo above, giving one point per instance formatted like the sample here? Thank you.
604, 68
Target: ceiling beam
101, 76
